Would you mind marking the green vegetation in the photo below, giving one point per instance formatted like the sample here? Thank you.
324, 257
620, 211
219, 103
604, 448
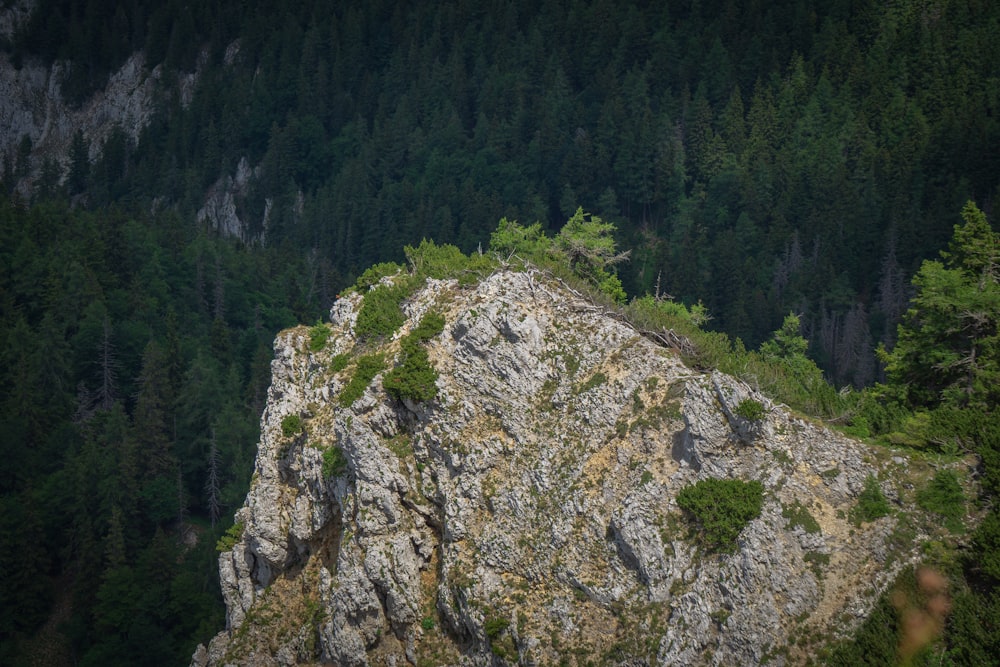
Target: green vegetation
136, 352
340, 362
430, 260
943, 495
817, 560
365, 369
948, 346
375, 273
587, 243
501, 644
871, 503
800, 157
414, 377
380, 314
401, 445
780, 368
495, 626
751, 410
798, 515
318, 335
430, 325
594, 381
722, 508
738, 151
229, 539
585, 246
940, 395
291, 425
334, 462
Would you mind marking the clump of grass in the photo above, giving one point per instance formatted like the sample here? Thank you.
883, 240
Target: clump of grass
595, 380
334, 462
818, 561
339, 362
798, 515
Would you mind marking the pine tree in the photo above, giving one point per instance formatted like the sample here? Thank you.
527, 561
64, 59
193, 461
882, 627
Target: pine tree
948, 347
212, 489
892, 297
150, 417
107, 392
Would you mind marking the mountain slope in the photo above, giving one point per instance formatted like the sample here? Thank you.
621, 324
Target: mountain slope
526, 509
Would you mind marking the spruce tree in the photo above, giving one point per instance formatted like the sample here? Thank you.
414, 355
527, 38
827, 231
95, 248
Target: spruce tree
948, 347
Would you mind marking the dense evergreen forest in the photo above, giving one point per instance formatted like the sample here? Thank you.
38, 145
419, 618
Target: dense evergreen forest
136, 359
759, 157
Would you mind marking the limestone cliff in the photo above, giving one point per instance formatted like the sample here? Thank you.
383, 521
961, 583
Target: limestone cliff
527, 514
32, 105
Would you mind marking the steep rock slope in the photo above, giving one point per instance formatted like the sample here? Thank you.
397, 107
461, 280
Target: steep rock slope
32, 104
527, 513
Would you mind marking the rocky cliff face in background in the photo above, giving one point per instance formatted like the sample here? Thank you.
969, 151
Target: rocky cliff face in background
527, 514
32, 105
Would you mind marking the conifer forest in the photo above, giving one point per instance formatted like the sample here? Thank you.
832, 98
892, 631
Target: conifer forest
817, 181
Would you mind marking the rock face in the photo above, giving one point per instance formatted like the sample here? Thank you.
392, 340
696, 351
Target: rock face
31, 105
527, 514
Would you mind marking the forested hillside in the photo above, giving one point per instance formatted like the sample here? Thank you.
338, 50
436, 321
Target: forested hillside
762, 158
135, 364
759, 157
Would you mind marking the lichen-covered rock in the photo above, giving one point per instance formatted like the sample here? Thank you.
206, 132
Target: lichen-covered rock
528, 511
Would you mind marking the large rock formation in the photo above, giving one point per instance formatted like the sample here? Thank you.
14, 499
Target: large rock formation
32, 105
528, 513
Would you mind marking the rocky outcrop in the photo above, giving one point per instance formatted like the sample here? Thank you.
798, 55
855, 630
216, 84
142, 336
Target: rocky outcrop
220, 211
528, 513
32, 104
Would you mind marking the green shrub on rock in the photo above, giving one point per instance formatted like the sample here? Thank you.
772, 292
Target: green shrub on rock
334, 462
230, 537
414, 378
318, 335
380, 314
365, 370
722, 508
291, 425
751, 410
871, 503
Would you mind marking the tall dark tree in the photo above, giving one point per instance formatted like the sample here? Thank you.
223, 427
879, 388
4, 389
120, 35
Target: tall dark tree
213, 491
107, 360
948, 347
152, 409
